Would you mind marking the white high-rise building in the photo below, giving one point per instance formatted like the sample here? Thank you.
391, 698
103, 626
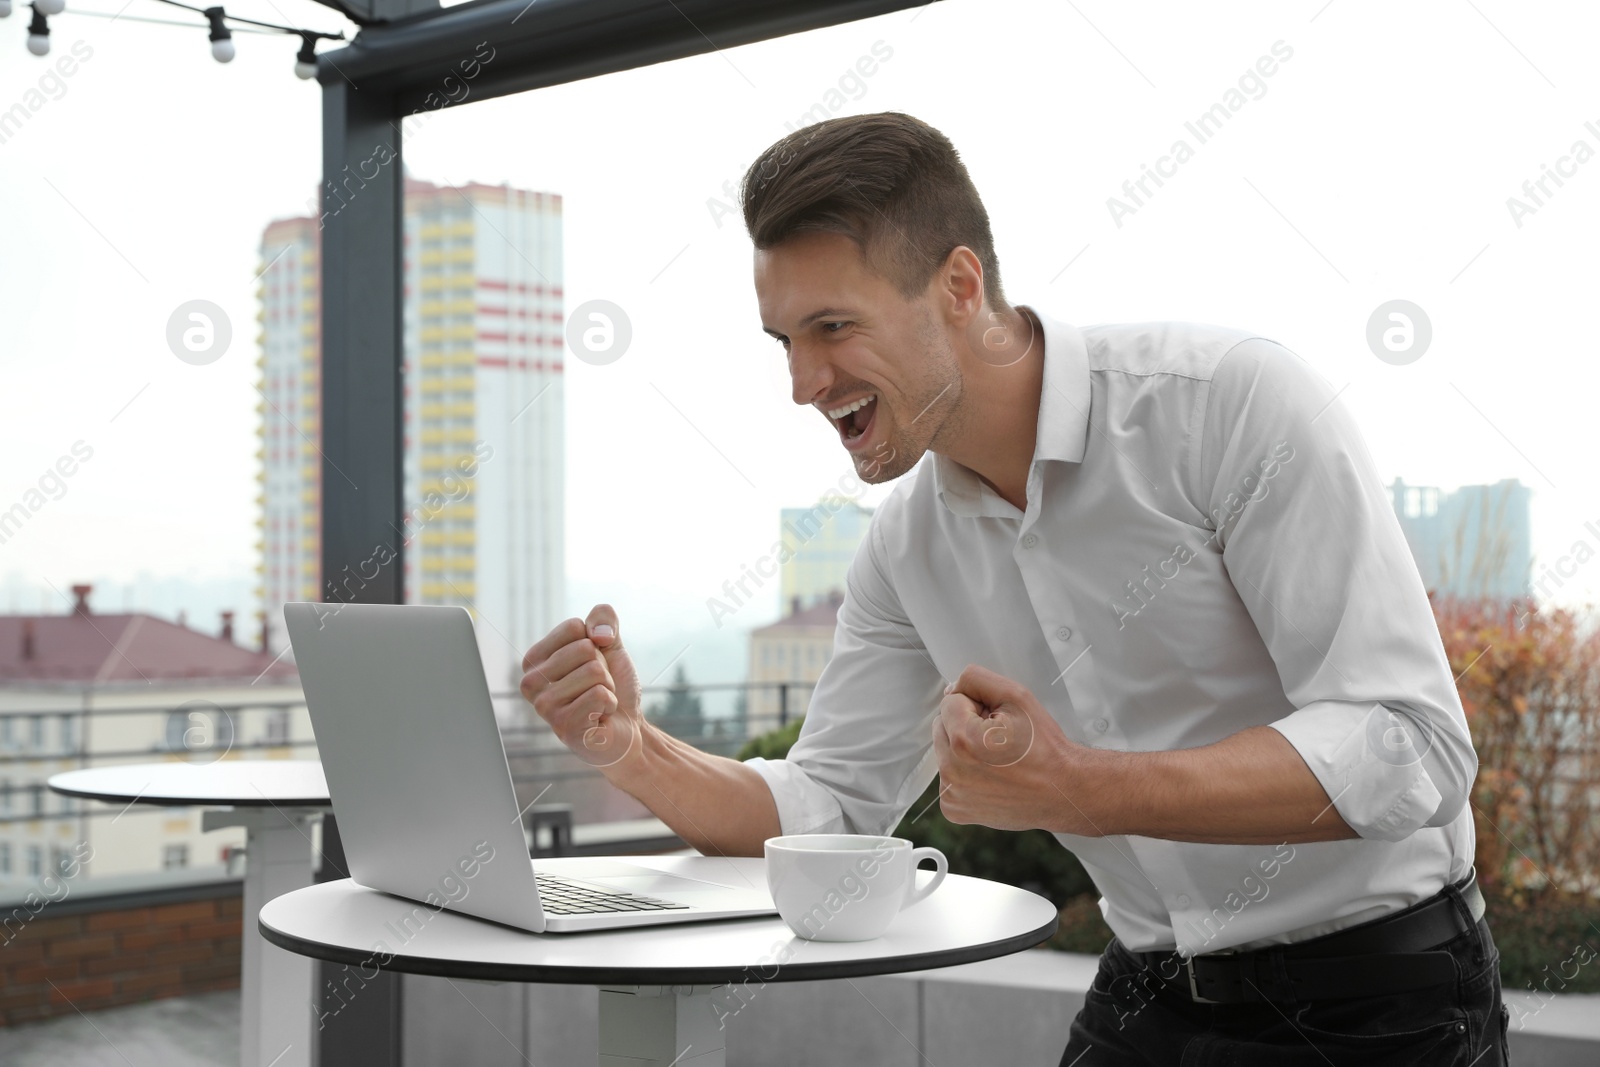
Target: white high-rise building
484, 427
290, 519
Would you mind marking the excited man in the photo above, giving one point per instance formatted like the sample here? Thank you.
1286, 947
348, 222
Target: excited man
1147, 593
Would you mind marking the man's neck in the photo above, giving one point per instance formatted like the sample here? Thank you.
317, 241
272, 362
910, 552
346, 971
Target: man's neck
1000, 411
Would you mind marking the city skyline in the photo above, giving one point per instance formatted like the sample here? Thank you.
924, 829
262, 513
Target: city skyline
1218, 242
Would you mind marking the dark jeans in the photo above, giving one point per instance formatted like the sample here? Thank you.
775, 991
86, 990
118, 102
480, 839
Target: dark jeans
1132, 1018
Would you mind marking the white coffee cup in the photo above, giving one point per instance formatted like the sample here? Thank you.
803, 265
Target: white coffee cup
846, 887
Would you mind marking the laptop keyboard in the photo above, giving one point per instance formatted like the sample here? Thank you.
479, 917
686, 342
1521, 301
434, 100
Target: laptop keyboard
561, 897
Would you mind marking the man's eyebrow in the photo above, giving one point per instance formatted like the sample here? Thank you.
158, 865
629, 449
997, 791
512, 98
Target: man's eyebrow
820, 313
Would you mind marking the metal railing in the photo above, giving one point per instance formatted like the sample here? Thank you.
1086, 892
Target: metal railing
26, 749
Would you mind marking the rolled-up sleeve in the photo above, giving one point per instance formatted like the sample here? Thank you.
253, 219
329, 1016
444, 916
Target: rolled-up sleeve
865, 751
1312, 545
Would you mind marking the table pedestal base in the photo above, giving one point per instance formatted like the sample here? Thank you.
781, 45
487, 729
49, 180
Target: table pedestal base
660, 1026
275, 1003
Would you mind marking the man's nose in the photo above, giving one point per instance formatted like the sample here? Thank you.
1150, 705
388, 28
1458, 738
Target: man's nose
809, 376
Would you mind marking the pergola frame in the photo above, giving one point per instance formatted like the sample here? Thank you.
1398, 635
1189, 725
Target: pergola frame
412, 65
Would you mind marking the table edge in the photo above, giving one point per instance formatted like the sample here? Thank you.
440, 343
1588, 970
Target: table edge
788, 972
173, 800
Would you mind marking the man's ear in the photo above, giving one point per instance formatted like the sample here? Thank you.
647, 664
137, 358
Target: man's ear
960, 283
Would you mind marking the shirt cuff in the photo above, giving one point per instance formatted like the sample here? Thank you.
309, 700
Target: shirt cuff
1363, 757
804, 807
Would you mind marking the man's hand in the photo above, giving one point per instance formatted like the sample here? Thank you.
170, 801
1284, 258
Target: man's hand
1003, 761
581, 681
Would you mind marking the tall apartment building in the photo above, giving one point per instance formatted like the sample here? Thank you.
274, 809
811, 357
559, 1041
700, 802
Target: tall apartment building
821, 541
484, 437
290, 501
1475, 541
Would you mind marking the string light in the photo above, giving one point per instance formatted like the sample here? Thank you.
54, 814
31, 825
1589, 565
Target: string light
221, 39
38, 33
217, 25
305, 64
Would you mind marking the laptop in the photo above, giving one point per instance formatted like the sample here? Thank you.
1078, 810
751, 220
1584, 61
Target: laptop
418, 777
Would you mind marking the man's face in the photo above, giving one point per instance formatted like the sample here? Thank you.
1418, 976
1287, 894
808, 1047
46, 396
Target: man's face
853, 341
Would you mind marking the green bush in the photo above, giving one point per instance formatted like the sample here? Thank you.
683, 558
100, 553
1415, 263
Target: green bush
1549, 942
773, 744
1083, 928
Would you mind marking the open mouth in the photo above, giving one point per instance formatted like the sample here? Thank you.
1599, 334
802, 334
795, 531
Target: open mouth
855, 419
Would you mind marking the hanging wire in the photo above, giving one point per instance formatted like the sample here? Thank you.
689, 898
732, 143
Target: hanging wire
217, 22
164, 22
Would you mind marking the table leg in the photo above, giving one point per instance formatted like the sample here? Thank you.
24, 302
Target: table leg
274, 985
660, 1026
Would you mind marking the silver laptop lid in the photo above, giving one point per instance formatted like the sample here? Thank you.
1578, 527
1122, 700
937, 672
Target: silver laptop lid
416, 769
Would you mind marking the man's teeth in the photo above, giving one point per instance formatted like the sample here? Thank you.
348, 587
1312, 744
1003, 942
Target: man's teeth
839, 413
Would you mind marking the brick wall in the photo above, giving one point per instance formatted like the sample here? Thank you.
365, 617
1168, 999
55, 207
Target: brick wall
85, 954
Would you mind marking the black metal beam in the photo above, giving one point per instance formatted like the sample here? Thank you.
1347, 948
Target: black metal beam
539, 43
362, 466
362, 264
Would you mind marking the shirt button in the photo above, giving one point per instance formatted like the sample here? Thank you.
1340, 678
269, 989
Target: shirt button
1101, 726
1063, 632
1028, 541
1183, 900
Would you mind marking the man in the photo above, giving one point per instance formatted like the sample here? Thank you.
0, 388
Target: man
1146, 593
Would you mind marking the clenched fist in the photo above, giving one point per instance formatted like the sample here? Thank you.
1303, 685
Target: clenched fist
582, 682
1003, 761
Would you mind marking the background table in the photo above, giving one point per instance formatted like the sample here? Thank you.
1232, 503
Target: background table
276, 802
664, 990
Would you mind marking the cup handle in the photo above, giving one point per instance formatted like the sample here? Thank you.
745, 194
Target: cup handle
941, 867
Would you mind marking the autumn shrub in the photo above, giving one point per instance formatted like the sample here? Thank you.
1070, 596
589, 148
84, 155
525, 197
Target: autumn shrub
1529, 681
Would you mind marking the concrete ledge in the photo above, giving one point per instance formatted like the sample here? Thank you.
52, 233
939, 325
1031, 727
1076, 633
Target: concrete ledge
1014, 1010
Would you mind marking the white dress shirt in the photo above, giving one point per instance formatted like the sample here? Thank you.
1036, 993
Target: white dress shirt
1206, 547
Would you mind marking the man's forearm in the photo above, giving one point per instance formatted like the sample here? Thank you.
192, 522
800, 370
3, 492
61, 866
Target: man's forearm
716, 804
1251, 788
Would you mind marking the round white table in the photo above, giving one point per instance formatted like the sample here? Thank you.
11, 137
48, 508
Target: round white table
276, 801
666, 992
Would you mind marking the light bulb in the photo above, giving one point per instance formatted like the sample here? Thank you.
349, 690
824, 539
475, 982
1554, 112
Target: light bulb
38, 34
305, 63
50, 7
221, 38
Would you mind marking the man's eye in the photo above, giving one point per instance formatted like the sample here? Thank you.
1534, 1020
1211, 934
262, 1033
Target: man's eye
829, 327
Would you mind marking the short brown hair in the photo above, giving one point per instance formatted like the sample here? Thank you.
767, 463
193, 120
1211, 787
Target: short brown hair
891, 183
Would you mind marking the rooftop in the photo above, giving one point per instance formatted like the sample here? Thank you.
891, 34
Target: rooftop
86, 647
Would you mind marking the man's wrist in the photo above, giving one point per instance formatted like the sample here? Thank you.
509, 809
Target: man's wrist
1095, 792
636, 768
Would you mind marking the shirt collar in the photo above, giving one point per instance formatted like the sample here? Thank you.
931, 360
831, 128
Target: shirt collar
1063, 427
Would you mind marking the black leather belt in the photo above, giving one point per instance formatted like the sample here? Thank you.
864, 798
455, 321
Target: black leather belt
1392, 954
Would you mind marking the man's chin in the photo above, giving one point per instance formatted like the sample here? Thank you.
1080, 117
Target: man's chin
884, 464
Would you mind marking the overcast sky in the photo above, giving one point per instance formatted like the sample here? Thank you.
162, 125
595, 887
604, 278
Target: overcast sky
1374, 164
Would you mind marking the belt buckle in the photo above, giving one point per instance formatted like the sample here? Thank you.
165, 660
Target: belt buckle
1194, 989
